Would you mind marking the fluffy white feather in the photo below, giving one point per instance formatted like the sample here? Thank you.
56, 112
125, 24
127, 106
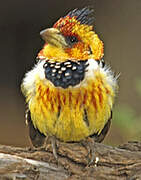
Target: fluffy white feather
38, 70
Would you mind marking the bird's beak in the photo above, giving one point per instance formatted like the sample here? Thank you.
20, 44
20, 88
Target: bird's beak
53, 37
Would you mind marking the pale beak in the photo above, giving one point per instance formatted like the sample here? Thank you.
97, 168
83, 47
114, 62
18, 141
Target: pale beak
54, 37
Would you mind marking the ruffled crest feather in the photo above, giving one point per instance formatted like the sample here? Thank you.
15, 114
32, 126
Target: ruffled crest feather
84, 15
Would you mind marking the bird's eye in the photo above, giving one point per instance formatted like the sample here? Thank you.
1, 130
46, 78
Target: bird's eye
71, 40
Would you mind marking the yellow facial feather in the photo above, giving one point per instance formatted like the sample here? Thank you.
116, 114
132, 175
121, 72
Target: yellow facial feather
80, 51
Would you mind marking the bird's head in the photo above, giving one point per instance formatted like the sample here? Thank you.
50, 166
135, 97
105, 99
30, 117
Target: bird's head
72, 37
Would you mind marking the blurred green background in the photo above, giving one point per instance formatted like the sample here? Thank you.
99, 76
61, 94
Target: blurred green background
118, 24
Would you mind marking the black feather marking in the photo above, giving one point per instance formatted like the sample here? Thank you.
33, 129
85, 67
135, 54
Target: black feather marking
85, 15
85, 117
59, 111
72, 12
90, 21
68, 73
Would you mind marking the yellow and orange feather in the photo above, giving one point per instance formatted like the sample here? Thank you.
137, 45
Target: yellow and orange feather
87, 37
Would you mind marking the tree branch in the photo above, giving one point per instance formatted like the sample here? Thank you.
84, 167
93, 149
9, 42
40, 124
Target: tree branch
111, 163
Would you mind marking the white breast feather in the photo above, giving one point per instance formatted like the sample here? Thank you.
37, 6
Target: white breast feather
38, 71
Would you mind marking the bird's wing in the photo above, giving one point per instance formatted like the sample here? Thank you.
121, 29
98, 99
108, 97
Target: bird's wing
100, 137
36, 137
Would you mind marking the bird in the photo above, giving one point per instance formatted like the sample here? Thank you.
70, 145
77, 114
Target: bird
70, 91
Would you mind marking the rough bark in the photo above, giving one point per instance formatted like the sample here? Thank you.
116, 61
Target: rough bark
111, 163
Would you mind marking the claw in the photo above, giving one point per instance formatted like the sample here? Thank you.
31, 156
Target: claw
92, 153
50, 140
54, 147
89, 145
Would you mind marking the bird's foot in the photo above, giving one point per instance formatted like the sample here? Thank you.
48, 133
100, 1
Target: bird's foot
51, 140
89, 145
54, 147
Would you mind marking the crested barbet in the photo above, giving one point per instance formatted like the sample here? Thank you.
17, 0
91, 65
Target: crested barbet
70, 91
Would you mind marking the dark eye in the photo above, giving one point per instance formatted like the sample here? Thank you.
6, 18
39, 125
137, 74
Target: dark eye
71, 40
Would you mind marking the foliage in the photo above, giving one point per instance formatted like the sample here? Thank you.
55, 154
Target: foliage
126, 121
